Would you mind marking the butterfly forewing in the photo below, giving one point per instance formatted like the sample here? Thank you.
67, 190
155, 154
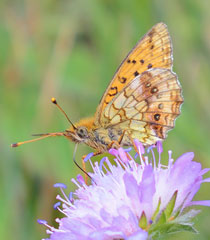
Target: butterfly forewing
154, 50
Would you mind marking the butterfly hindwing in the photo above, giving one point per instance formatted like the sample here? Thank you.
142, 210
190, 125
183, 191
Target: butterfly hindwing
147, 107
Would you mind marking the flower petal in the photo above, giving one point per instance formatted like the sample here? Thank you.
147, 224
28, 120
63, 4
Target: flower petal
132, 191
140, 235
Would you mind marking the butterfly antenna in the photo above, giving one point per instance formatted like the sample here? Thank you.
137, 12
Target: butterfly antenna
53, 100
74, 159
42, 136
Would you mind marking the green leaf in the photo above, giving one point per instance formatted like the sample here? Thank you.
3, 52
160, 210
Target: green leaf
170, 228
170, 206
179, 210
143, 221
161, 220
156, 211
187, 217
181, 223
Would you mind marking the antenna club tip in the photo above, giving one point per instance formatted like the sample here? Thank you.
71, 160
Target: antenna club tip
14, 145
53, 100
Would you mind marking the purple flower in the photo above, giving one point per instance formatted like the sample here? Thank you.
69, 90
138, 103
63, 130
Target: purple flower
132, 198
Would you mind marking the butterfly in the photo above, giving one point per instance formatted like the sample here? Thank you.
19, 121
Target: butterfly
141, 102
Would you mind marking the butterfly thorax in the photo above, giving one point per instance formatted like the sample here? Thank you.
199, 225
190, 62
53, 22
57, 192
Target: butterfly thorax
97, 137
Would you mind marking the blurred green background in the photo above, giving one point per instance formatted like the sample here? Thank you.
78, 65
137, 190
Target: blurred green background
70, 50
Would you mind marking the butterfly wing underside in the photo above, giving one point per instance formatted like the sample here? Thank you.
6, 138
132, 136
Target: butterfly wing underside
147, 107
154, 50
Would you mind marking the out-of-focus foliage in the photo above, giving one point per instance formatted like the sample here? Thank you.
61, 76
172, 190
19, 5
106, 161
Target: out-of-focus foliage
70, 50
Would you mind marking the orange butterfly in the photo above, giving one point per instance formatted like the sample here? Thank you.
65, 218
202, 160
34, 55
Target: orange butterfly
142, 101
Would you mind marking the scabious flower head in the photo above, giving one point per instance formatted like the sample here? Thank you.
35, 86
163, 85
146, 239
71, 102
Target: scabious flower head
134, 198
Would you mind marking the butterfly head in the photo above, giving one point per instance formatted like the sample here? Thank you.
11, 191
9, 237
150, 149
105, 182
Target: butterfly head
78, 135
81, 131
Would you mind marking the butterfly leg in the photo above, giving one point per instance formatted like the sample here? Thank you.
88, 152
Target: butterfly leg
116, 143
83, 164
121, 137
134, 146
131, 139
113, 144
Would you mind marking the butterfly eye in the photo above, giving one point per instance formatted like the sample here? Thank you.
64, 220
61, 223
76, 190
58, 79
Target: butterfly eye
82, 132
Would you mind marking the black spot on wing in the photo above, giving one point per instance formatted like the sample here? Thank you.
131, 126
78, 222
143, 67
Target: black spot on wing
123, 80
154, 90
114, 90
157, 117
149, 66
